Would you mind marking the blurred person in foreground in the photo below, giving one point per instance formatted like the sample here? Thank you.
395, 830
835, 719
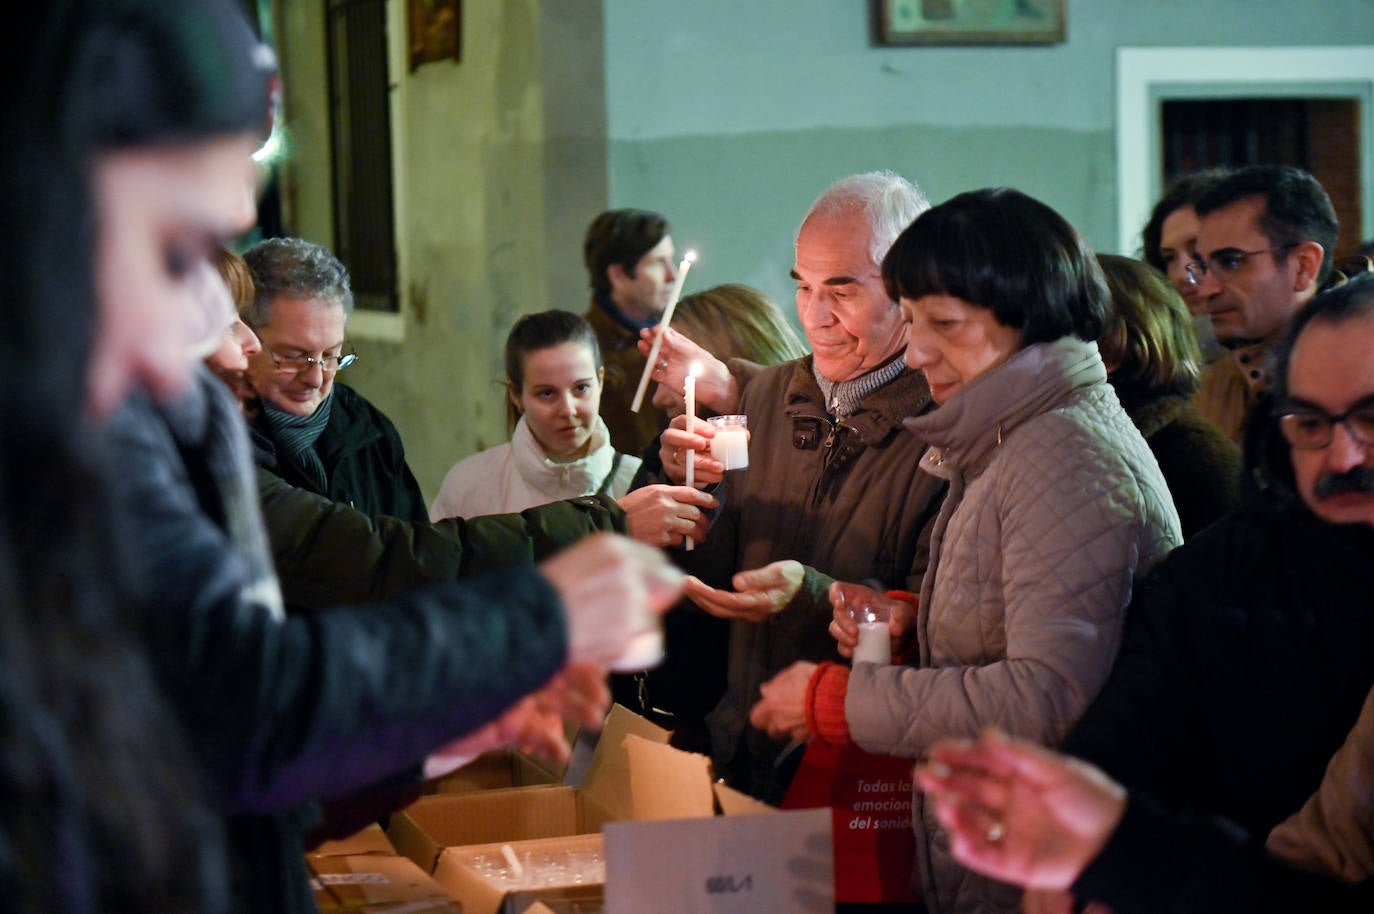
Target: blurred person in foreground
162, 109
1023, 814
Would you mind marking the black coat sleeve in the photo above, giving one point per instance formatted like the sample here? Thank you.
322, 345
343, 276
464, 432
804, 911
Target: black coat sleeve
326, 553
283, 711
1162, 861
1138, 728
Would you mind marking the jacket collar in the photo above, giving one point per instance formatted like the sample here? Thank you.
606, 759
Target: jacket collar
965, 432
547, 476
347, 431
880, 413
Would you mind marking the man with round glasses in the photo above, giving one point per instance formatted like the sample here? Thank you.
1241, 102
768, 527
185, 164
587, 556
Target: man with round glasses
318, 435
1265, 236
1245, 660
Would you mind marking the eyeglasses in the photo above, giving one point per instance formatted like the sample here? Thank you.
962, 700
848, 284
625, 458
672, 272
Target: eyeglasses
329, 364
1308, 428
1225, 262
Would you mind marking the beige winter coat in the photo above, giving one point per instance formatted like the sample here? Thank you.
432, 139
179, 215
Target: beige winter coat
1055, 508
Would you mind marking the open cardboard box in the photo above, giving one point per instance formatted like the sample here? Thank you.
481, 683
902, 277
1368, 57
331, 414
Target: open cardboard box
671, 851
363, 874
459, 872
495, 770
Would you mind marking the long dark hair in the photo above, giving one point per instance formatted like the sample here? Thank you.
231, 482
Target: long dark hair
99, 810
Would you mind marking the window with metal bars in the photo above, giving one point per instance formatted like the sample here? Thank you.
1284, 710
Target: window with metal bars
360, 125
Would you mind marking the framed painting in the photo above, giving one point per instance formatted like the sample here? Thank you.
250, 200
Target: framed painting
970, 22
436, 30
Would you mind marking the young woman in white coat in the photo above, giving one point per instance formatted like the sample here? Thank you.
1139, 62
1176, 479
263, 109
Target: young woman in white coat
560, 447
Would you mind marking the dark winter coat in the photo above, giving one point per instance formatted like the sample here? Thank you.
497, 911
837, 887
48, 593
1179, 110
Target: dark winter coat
363, 459
286, 711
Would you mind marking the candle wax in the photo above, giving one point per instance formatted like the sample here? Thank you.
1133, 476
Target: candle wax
731, 447
875, 643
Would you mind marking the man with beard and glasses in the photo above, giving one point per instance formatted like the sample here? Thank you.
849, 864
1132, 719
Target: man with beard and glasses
1246, 655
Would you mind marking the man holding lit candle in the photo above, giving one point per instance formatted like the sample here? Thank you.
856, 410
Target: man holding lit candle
832, 490
630, 261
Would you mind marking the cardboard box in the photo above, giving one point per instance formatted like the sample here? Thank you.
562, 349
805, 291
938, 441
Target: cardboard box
751, 858
459, 873
495, 770
421, 831
363, 874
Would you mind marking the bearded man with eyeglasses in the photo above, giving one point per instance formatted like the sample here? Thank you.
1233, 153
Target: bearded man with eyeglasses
1264, 244
315, 434
1245, 660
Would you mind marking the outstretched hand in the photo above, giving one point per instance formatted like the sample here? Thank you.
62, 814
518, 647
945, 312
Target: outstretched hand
1018, 812
758, 594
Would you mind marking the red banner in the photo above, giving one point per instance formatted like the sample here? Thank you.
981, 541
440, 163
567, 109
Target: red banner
870, 801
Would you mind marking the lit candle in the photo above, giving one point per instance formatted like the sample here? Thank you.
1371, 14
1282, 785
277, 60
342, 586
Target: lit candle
690, 391
687, 260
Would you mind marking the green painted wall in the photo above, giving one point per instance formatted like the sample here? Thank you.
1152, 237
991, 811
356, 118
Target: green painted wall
728, 116
731, 116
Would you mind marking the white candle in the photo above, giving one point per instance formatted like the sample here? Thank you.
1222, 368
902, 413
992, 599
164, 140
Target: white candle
690, 392
875, 643
687, 260
730, 444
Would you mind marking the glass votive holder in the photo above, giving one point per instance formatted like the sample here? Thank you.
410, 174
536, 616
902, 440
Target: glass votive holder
875, 632
730, 444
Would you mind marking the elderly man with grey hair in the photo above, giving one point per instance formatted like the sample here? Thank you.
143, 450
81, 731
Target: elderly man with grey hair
313, 433
833, 490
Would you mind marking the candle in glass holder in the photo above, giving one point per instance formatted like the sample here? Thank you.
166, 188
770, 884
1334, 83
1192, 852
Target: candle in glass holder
875, 640
730, 444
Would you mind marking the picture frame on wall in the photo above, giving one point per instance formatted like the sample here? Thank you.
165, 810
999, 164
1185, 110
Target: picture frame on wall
984, 22
436, 31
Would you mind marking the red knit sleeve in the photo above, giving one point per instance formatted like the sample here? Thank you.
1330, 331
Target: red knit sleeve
825, 693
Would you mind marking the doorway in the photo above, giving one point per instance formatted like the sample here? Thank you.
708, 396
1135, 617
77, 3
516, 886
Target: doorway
1179, 109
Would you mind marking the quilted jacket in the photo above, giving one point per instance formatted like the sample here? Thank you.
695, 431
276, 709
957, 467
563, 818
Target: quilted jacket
1055, 507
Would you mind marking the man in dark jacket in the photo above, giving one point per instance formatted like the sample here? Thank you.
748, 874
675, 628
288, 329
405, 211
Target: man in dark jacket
629, 258
1246, 656
318, 435
833, 490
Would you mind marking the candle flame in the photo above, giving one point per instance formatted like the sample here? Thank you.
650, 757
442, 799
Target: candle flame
689, 257
694, 370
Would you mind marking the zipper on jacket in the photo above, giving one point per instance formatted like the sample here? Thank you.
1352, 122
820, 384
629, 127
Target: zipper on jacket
828, 460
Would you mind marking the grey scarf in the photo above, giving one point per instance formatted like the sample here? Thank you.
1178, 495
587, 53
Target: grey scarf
842, 398
296, 436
